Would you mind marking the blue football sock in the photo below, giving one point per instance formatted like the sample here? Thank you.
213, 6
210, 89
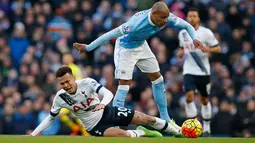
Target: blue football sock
160, 98
120, 96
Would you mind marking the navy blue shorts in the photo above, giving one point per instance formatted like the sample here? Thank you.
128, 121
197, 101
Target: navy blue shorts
201, 83
113, 116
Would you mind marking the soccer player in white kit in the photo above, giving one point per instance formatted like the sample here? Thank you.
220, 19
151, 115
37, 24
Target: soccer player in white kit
196, 68
132, 49
81, 97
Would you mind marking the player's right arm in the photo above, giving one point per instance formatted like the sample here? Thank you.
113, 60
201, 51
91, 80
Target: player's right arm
55, 108
123, 29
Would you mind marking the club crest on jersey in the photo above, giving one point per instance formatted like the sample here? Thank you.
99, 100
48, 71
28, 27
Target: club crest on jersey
84, 93
126, 28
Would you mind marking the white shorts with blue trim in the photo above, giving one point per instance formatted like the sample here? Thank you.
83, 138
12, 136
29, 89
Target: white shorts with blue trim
126, 59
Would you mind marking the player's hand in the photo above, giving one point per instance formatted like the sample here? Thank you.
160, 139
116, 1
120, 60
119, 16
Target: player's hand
205, 49
99, 107
79, 47
198, 44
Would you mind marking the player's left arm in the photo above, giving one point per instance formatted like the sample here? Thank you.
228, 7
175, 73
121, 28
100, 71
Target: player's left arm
101, 90
173, 20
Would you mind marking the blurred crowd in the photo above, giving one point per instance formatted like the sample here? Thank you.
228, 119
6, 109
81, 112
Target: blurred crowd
36, 34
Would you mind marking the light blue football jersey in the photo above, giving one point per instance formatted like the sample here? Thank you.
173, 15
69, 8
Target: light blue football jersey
139, 28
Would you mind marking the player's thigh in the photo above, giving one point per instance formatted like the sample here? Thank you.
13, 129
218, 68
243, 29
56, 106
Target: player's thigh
149, 65
189, 83
122, 116
124, 63
203, 85
115, 132
141, 118
147, 62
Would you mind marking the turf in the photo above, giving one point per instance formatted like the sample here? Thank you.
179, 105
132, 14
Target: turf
69, 139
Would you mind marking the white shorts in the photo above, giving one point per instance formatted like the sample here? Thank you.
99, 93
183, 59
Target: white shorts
126, 59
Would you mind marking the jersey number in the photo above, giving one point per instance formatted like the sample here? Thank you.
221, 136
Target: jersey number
123, 111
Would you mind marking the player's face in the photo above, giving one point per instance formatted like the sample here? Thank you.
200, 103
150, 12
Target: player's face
160, 18
193, 18
67, 82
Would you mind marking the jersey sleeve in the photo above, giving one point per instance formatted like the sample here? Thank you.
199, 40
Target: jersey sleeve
94, 85
212, 41
127, 27
172, 20
55, 108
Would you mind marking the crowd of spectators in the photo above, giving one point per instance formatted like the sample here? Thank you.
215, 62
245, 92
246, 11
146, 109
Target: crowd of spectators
35, 34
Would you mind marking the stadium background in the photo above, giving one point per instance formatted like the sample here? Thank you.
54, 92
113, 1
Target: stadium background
35, 34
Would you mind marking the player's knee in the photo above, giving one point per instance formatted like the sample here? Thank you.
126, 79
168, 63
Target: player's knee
190, 96
124, 82
157, 78
204, 100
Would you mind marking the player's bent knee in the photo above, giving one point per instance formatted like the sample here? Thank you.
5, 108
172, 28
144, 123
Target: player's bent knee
124, 82
204, 100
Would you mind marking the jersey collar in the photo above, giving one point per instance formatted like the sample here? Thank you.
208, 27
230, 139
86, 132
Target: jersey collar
149, 19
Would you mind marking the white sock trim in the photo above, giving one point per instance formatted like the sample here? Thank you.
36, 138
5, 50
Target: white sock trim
206, 111
136, 133
160, 79
123, 87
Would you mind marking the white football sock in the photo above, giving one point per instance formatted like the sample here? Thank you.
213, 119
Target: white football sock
136, 133
206, 112
165, 126
191, 109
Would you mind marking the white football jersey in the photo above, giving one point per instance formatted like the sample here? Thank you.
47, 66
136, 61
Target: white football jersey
80, 103
196, 61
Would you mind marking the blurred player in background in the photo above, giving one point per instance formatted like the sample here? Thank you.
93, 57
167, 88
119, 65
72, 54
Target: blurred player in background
82, 98
132, 49
196, 68
65, 115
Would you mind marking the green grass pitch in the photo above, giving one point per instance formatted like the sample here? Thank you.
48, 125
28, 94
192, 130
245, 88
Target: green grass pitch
80, 139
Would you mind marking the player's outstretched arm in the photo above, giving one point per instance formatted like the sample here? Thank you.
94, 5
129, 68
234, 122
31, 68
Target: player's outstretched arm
100, 40
43, 125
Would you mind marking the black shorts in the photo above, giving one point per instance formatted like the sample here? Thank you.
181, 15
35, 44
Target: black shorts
201, 83
113, 116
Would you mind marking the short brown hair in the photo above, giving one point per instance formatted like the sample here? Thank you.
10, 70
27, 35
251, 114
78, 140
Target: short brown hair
193, 9
63, 70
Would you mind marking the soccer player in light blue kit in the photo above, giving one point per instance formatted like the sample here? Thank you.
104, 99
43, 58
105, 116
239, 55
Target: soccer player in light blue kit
132, 49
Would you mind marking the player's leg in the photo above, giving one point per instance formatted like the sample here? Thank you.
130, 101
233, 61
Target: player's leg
124, 65
159, 94
204, 88
121, 93
115, 132
156, 123
189, 89
148, 64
